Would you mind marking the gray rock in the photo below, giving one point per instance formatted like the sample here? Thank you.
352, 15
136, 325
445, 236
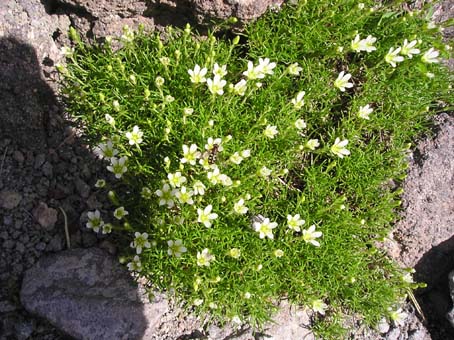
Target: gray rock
18, 156
82, 188
57, 243
289, 323
47, 169
88, 295
89, 238
383, 326
393, 335
6, 307
8, 244
20, 247
40, 246
103, 8
9, 199
23, 330
46, 217
39, 161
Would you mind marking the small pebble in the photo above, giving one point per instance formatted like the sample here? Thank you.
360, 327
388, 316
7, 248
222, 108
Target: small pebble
39, 161
18, 156
40, 246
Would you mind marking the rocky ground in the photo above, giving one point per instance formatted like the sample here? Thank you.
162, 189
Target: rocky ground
46, 169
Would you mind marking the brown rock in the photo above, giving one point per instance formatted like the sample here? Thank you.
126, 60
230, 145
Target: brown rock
46, 217
243, 10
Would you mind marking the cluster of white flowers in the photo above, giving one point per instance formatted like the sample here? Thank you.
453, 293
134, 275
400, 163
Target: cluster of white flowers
367, 44
408, 49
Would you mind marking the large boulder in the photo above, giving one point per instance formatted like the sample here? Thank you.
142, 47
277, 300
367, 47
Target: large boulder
243, 10
87, 294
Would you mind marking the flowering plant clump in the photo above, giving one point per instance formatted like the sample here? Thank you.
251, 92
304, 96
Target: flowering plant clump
239, 178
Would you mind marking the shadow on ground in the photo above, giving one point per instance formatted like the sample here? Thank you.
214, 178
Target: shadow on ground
435, 301
45, 165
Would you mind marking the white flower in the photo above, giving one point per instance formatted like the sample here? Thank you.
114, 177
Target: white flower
135, 264
140, 242
220, 71
145, 193
393, 56
107, 150
398, 316
176, 248
338, 148
117, 166
67, 51
264, 171
204, 258
408, 276
107, 228
185, 196
235, 253
245, 153
214, 143
298, 101
240, 208
408, 48
135, 137
300, 124
247, 295
365, 111
168, 99
295, 222
265, 228
265, 66
199, 188
206, 216
312, 144
253, 72
120, 212
319, 306
95, 221
128, 34
216, 86
236, 158
342, 81
187, 111
159, 81
430, 56
214, 176
278, 253
198, 74
190, 154
240, 87
430, 75
197, 302
116, 105
176, 179
109, 119
364, 44
309, 235
270, 131
225, 180
166, 195
100, 183
164, 61
294, 69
